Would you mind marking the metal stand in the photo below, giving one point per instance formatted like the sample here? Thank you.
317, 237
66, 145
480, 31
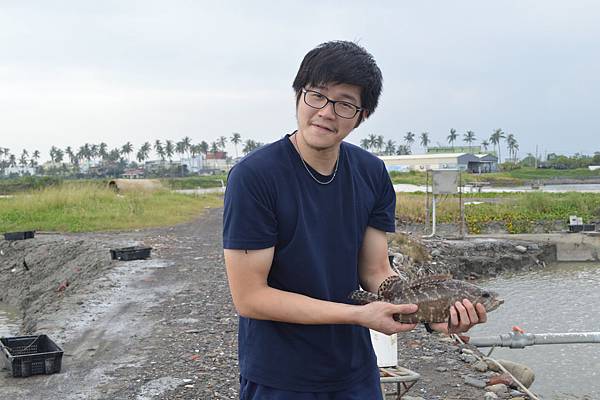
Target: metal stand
402, 377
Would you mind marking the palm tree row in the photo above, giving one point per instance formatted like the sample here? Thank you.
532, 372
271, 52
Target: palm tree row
89, 153
382, 147
377, 143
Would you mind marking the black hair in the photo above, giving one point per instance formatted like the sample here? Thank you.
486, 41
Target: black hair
341, 62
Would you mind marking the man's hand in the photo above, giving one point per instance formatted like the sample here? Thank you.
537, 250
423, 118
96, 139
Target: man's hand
379, 316
463, 316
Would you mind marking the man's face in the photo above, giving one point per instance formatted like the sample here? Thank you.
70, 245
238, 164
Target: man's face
323, 129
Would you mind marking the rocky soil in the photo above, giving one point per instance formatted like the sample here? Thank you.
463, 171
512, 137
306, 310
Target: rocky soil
165, 328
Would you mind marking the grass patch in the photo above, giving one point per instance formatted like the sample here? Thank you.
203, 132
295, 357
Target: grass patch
193, 182
410, 177
15, 185
516, 177
86, 207
517, 211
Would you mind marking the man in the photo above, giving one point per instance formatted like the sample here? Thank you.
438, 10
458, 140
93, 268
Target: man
304, 225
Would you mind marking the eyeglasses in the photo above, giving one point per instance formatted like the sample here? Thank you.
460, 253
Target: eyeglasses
343, 109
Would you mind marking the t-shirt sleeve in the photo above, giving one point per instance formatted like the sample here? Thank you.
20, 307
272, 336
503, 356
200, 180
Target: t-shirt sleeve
383, 215
249, 220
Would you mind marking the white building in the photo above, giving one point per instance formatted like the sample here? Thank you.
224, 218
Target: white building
423, 162
19, 170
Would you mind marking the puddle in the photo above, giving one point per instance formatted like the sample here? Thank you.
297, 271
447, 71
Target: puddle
9, 320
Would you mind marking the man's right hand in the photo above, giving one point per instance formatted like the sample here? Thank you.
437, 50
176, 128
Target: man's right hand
379, 316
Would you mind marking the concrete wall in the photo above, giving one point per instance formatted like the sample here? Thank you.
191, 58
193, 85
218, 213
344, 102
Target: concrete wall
569, 246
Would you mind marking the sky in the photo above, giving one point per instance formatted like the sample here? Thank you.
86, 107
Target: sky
76, 72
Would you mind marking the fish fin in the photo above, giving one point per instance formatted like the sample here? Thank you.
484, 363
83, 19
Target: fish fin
387, 286
363, 297
425, 279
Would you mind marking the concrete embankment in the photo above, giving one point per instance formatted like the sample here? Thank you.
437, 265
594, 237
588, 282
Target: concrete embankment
569, 246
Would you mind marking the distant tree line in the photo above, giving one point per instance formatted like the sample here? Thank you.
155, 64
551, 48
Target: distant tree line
558, 161
113, 162
378, 144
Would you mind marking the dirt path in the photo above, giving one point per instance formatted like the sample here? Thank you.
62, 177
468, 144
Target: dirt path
151, 329
162, 328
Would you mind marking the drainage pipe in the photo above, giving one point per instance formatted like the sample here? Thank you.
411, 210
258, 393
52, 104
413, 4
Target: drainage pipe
516, 340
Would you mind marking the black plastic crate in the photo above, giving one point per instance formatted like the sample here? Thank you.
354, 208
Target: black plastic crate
130, 253
19, 235
589, 227
31, 355
575, 228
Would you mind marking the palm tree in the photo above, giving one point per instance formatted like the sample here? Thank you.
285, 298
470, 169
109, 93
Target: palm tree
469, 137
221, 142
180, 149
195, 149
403, 150
512, 145
409, 138
372, 141
144, 152
160, 150
52, 154
127, 149
250, 145
495, 139
485, 145
59, 155
425, 140
34, 158
236, 139
102, 151
379, 141
364, 143
390, 147
203, 147
214, 147
23, 158
452, 137
169, 149
187, 143
94, 151
72, 157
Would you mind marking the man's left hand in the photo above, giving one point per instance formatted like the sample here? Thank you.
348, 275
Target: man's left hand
463, 316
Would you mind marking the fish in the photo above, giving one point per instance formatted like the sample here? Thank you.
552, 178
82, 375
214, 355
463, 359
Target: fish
434, 294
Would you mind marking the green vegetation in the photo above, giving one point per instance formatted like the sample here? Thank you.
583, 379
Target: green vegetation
193, 182
14, 185
410, 177
85, 207
515, 177
25, 183
517, 211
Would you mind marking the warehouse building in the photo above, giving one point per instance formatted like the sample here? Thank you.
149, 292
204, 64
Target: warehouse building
422, 162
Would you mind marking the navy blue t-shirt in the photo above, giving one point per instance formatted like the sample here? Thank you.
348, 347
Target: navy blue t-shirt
317, 231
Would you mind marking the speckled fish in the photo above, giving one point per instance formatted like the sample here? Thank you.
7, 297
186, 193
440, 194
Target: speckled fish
434, 295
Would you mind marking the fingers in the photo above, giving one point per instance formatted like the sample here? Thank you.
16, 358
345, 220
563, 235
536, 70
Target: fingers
482, 313
473, 318
379, 316
405, 308
464, 315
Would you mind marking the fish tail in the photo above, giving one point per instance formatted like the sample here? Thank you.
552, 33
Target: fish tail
363, 297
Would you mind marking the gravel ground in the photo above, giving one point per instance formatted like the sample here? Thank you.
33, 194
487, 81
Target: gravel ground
163, 328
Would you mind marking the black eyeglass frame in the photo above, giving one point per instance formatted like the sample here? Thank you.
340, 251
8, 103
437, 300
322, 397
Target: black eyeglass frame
334, 102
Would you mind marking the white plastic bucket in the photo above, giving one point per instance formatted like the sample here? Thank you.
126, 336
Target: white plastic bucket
386, 349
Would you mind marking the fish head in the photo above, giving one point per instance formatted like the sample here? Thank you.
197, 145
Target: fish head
489, 299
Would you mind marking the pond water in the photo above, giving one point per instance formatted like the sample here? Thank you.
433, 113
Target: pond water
562, 298
9, 320
580, 187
